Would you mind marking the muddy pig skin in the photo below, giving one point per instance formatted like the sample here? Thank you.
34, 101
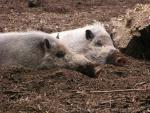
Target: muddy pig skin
93, 41
39, 50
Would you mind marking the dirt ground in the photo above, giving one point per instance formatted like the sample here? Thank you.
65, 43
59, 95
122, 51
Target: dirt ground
116, 90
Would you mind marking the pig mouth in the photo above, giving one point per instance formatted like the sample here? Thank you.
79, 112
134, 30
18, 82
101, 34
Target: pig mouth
88, 70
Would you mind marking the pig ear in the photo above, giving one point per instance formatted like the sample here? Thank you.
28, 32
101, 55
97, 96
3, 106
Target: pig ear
89, 35
57, 36
47, 44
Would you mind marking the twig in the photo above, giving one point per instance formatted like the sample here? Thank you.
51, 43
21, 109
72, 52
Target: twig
121, 90
141, 83
109, 91
105, 102
11, 92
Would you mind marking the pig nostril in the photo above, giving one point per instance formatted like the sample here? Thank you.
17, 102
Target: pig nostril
117, 58
121, 61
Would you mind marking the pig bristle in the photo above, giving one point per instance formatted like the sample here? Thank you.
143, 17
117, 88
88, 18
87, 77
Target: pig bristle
96, 26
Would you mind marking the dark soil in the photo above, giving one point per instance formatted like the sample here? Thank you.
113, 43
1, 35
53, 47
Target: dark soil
139, 46
64, 91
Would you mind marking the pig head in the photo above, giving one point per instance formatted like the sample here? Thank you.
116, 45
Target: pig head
101, 49
92, 41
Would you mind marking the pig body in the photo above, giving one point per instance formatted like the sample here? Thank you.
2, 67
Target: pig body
93, 41
39, 50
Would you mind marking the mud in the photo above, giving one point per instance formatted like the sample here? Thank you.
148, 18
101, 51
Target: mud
64, 91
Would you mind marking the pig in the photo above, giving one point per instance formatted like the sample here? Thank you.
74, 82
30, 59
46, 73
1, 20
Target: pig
38, 50
92, 41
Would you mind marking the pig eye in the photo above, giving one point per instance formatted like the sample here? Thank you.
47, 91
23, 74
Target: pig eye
60, 54
98, 43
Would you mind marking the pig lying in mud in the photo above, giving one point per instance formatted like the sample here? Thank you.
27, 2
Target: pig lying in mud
94, 42
39, 50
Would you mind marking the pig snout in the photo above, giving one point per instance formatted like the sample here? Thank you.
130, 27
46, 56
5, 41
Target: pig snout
87, 69
116, 58
81, 64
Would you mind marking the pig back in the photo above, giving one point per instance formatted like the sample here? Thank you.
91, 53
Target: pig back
21, 49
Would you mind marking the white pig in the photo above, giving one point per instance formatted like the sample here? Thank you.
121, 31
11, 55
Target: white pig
92, 41
39, 50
